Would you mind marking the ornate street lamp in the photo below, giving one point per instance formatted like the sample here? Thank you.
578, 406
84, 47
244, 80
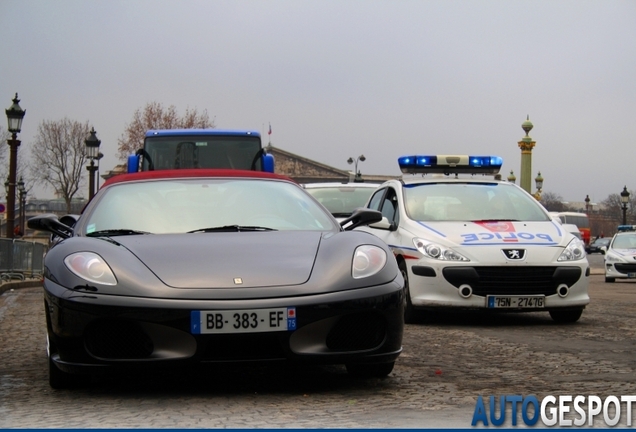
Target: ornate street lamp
587, 203
511, 177
624, 203
15, 114
539, 182
358, 175
92, 152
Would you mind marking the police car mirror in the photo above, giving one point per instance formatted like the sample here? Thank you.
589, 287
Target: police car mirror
384, 224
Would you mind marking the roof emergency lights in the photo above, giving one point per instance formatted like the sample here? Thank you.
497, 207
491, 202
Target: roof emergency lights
624, 228
450, 164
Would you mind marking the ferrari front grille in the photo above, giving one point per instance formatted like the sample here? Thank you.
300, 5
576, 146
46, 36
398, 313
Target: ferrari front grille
118, 340
356, 332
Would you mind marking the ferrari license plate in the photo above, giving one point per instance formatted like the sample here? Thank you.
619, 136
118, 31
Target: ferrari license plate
516, 301
243, 321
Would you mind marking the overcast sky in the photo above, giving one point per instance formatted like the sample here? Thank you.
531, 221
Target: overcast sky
341, 78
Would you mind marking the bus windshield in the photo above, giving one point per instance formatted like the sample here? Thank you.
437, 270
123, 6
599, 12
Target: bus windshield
202, 151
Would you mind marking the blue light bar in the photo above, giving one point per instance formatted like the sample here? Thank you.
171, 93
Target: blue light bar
624, 228
450, 164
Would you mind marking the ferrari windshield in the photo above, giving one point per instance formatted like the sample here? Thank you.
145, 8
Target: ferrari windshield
471, 202
201, 205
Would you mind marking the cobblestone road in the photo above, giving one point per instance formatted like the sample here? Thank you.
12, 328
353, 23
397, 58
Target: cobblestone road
445, 366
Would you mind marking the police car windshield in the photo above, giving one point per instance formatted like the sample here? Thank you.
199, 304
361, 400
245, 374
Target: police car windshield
456, 202
202, 151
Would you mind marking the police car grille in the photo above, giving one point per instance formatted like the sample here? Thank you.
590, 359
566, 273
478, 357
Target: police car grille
512, 280
625, 268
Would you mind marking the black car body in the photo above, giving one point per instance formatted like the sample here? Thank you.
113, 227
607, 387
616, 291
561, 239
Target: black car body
216, 266
597, 245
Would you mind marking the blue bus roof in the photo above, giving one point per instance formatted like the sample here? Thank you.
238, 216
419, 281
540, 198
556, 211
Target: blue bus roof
220, 132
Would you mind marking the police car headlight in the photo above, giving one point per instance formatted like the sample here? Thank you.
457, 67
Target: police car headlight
574, 251
367, 261
435, 251
612, 258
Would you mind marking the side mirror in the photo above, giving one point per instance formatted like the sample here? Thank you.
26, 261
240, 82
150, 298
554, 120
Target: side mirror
384, 224
50, 223
361, 216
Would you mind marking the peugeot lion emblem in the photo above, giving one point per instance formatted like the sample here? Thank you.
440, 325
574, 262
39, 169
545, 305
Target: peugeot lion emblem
514, 254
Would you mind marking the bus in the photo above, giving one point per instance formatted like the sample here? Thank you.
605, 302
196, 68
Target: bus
579, 219
201, 148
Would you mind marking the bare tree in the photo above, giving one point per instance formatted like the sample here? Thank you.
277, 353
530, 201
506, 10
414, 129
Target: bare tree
553, 202
155, 116
614, 208
58, 156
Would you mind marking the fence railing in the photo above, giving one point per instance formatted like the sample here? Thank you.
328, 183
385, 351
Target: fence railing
20, 259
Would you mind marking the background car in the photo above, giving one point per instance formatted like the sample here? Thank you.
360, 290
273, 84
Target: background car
466, 240
341, 199
179, 266
620, 256
598, 246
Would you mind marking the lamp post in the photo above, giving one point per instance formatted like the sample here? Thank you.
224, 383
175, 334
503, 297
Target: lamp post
92, 152
539, 182
587, 203
358, 176
21, 193
624, 203
15, 114
511, 177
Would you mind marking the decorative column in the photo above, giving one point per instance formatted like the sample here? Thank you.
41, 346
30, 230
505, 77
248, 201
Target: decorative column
526, 145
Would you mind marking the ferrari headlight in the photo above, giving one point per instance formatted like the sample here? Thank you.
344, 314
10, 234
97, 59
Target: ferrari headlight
367, 261
91, 267
574, 251
435, 251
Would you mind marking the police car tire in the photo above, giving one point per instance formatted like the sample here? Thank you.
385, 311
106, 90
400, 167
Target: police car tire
609, 279
566, 316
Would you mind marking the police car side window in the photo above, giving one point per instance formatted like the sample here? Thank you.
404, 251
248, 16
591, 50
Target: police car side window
376, 199
389, 206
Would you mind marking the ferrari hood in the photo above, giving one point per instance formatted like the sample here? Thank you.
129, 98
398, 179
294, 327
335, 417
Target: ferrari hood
227, 259
495, 233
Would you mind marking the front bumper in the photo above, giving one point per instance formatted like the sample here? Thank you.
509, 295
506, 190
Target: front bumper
89, 331
466, 286
619, 270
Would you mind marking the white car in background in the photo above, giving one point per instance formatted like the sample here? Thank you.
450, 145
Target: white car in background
341, 199
620, 255
476, 242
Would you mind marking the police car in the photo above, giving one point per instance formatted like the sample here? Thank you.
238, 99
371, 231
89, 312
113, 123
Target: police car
620, 256
465, 239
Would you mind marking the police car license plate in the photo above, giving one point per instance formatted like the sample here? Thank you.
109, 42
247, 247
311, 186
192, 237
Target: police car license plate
515, 301
243, 321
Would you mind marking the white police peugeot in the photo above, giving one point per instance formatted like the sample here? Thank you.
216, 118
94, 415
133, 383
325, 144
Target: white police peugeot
620, 255
465, 239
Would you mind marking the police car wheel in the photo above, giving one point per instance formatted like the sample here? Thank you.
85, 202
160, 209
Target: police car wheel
609, 279
566, 316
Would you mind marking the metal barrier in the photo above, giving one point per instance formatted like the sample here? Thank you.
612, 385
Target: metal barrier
20, 259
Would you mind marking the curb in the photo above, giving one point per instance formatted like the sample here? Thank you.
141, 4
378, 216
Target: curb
20, 284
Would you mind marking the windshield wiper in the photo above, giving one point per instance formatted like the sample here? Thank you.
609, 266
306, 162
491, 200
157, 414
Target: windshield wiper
115, 232
232, 228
